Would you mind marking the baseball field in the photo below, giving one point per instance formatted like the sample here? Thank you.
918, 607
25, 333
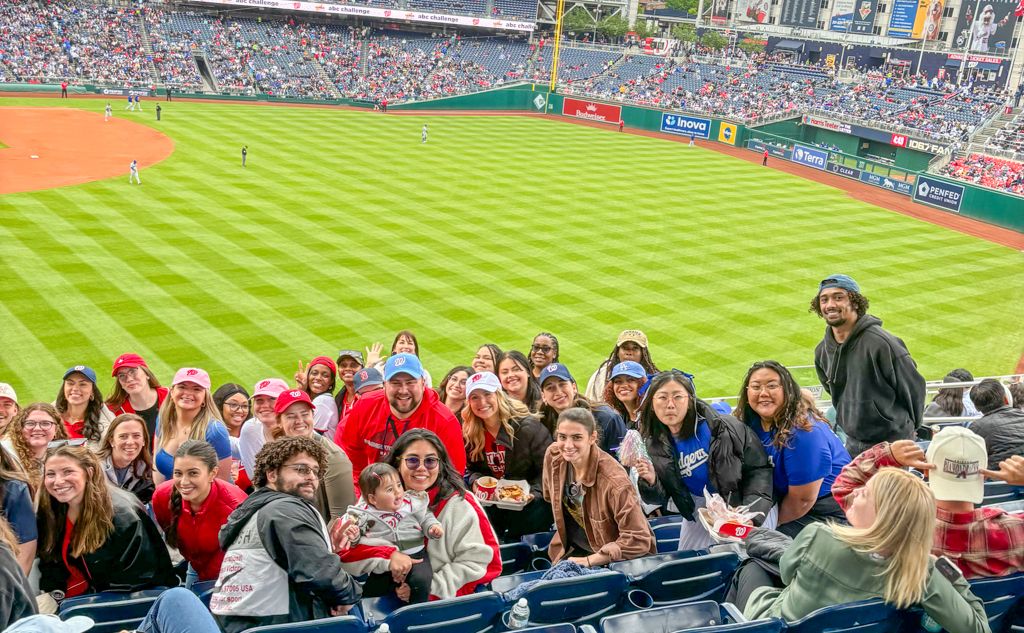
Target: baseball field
344, 227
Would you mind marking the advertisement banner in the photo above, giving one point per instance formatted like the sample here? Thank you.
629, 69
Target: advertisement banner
719, 11
842, 16
727, 133
928, 20
863, 17
903, 18
899, 140
843, 170
601, 112
124, 92
752, 11
773, 150
835, 126
685, 125
375, 12
810, 156
938, 193
800, 13
885, 182
991, 32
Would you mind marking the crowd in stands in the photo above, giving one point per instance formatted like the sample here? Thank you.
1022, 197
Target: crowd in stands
356, 478
988, 171
1010, 138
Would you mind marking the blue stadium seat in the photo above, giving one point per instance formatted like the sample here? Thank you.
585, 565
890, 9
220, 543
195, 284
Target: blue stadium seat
105, 597
112, 616
539, 542
340, 624
201, 587
705, 616
1010, 506
670, 518
666, 536
476, 613
550, 628
681, 577
580, 600
505, 584
865, 616
999, 492
515, 558
1000, 596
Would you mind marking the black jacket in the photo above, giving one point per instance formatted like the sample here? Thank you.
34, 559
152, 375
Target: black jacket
874, 383
292, 534
138, 482
133, 557
737, 467
17, 600
1003, 431
524, 458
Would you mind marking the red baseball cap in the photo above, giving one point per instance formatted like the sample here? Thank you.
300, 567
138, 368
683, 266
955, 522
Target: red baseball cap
323, 360
288, 398
127, 360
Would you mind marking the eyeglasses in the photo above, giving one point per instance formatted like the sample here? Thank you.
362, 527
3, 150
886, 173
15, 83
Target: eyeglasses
44, 425
772, 386
58, 443
303, 470
125, 374
413, 463
237, 407
542, 348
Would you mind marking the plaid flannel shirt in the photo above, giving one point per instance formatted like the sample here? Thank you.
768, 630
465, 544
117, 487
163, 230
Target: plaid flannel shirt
984, 542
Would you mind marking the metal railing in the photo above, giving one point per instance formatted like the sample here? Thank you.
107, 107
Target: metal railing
888, 127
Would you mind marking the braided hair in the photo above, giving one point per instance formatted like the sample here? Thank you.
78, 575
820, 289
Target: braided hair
554, 344
208, 456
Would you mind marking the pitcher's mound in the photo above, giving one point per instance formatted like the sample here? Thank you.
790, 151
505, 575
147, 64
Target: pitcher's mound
55, 147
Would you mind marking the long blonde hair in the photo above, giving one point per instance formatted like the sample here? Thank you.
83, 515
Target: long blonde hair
169, 418
903, 532
474, 431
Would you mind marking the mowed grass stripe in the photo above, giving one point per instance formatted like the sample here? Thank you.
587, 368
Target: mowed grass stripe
345, 228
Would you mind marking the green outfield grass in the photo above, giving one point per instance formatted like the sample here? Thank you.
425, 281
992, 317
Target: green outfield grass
345, 228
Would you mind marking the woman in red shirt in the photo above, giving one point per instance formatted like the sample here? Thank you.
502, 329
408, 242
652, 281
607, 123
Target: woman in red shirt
136, 391
192, 506
81, 407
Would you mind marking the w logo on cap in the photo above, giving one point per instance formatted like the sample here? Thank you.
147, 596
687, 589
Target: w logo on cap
192, 372
263, 384
553, 367
295, 394
79, 367
399, 361
476, 377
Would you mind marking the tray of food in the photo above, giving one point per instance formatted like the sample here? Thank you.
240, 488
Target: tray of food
725, 524
510, 494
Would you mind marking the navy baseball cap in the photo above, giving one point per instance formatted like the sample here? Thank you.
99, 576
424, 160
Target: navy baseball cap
81, 369
555, 370
367, 377
839, 281
354, 354
629, 368
403, 364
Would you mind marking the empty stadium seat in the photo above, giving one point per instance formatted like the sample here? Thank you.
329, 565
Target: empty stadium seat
340, 624
539, 542
1000, 492
106, 597
1010, 506
476, 613
666, 536
1001, 596
111, 616
579, 600
682, 576
702, 616
865, 616
515, 558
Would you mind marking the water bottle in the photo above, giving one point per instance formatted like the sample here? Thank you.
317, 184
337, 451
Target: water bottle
519, 617
929, 624
384, 628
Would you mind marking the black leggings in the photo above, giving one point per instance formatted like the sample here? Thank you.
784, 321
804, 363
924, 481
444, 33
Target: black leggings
824, 509
750, 576
511, 525
418, 579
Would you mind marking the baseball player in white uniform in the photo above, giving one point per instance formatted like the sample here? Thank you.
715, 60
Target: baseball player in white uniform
108, 112
133, 175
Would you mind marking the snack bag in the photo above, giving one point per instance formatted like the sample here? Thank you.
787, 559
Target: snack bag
724, 523
632, 449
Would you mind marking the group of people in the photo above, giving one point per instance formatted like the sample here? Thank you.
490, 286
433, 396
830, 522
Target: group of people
358, 467
1010, 138
988, 171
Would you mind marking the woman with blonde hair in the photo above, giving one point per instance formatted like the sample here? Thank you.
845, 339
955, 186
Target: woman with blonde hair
189, 413
884, 553
94, 537
504, 441
28, 436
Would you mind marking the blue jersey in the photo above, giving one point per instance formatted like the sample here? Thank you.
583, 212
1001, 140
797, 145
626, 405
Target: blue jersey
809, 456
694, 453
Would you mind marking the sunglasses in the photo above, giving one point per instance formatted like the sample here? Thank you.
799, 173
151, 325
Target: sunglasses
413, 463
58, 443
542, 348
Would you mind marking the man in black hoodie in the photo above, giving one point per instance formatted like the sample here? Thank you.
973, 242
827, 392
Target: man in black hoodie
278, 565
876, 389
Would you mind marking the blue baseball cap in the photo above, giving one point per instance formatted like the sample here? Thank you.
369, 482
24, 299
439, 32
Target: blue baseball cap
555, 370
403, 364
81, 369
839, 281
629, 368
367, 377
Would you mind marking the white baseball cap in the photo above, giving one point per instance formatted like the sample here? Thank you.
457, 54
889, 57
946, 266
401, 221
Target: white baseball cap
7, 391
959, 454
51, 624
484, 380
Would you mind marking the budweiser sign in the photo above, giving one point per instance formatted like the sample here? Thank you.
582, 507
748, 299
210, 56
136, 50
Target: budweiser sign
593, 111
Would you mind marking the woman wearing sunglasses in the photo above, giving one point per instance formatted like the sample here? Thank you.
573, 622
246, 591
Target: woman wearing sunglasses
94, 537
467, 556
28, 436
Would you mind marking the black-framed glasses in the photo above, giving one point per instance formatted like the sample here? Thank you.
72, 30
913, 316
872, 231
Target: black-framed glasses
44, 425
542, 348
303, 470
234, 406
413, 463
80, 441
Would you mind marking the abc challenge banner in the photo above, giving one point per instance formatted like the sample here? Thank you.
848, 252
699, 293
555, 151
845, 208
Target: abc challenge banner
800, 13
991, 32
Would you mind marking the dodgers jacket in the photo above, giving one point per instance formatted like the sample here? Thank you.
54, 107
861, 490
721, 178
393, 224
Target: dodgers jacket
874, 383
278, 565
737, 467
